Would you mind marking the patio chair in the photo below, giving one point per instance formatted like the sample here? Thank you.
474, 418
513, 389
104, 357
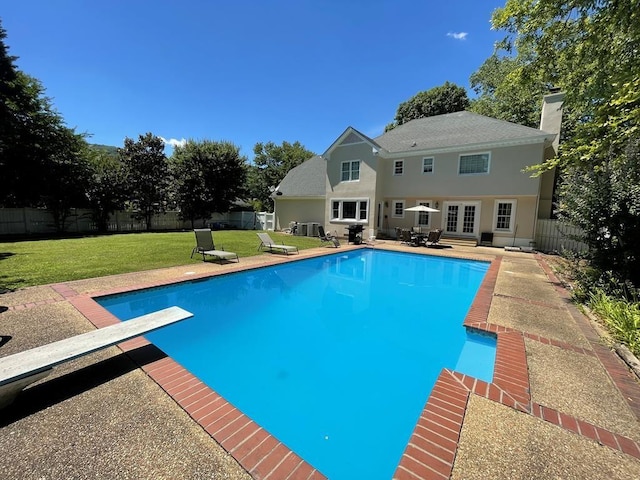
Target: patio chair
205, 246
409, 238
433, 239
324, 238
271, 246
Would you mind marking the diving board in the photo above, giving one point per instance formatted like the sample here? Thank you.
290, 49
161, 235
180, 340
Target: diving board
22, 369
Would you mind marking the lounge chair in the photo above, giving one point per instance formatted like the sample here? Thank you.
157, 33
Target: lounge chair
433, 239
324, 238
270, 245
205, 246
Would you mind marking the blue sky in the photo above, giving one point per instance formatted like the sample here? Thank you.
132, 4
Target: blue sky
243, 71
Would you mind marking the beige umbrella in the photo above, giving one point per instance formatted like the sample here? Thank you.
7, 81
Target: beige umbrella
421, 208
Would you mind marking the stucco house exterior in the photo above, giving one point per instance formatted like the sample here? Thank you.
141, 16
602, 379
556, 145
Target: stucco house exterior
468, 166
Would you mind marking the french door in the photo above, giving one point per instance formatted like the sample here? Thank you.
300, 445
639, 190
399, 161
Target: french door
461, 218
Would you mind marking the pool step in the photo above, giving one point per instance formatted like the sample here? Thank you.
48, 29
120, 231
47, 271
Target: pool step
459, 241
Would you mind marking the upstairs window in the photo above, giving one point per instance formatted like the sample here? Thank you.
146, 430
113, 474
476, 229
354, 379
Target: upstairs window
350, 171
427, 165
474, 164
398, 167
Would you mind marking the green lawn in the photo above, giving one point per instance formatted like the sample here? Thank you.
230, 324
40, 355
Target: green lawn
28, 263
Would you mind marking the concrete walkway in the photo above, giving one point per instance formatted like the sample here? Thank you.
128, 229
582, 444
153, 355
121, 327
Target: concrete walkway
562, 404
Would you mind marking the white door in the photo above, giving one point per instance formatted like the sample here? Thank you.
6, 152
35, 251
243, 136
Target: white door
461, 218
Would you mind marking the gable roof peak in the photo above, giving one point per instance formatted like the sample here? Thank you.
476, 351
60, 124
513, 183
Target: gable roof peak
349, 136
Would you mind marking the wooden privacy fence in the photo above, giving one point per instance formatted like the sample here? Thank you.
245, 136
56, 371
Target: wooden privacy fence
29, 221
555, 236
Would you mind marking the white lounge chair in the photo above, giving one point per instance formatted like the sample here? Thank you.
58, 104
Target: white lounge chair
270, 245
205, 246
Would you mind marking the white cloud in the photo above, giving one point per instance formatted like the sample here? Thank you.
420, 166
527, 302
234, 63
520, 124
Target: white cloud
458, 35
173, 142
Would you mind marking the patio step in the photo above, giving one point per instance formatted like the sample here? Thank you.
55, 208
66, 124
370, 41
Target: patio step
459, 241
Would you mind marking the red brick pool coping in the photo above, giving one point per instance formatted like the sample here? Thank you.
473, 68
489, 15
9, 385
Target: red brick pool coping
432, 447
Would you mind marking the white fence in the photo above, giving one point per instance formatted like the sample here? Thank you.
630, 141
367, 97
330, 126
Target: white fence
554, 236
27, 221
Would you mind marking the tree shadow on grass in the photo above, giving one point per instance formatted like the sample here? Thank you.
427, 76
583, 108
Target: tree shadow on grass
3, 278
52, 392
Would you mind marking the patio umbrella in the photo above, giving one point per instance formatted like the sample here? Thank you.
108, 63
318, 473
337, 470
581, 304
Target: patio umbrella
421, 208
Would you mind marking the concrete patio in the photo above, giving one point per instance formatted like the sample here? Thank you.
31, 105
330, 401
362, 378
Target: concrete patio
573, 413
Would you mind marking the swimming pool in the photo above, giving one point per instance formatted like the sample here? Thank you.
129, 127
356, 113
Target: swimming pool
335, 356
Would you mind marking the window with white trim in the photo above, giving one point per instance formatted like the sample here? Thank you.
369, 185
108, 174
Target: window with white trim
397, 210
350, 171
475, 164
423, 218
504, 215
350, 209
427, 165
398, 167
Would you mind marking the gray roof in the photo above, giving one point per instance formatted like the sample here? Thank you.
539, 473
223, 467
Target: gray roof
454, 130
306, 180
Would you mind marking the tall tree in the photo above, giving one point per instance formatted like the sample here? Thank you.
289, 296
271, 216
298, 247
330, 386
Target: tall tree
34, 141
66, 175
584, 46
106, 191
447, 98
146, 171
589, 48
503, 93
209, 176
271, 164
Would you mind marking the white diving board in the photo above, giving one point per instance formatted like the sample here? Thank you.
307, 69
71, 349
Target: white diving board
22, 369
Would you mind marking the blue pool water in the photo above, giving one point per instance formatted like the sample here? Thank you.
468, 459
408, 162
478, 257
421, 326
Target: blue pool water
334, 356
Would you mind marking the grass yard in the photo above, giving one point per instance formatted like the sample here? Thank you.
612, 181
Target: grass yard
29, 263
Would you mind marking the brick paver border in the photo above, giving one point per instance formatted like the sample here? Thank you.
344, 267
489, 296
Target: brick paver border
618, 371
432, 447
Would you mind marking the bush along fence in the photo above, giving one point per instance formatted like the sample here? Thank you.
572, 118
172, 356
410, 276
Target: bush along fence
36, 221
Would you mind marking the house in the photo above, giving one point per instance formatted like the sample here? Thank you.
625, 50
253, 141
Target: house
470, 167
